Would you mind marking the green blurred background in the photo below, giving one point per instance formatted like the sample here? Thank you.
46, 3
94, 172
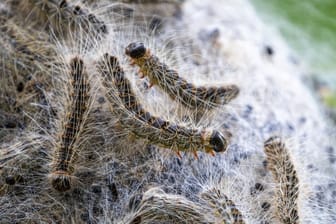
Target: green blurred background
309, 26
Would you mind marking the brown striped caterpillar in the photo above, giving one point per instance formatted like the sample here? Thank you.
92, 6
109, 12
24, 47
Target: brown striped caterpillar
157, 206
65, 152
197, 98
224, 207
284, 174
60, 14
131, 114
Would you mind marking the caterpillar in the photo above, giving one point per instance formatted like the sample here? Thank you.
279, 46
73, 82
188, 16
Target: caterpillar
60, 14
25, 56
132, 115
196, 98
65, 153
157, 206
284, 174
224, 207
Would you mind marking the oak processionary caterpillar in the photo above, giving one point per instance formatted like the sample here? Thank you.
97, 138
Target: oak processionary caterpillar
192, 97
156, 206
65, 153
284, 175
131, 114
60, 14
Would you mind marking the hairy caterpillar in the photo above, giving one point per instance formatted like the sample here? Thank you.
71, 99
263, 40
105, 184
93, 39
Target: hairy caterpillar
60, 14
197, 98
65, 153
125, 105
284, 174
225, 208
157, 206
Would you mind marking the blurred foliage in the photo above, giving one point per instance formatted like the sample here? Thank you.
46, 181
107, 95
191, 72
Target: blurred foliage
331, 100
310, 28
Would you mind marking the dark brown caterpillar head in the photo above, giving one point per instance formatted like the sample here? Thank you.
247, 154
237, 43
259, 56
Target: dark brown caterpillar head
60, 181
217, 142
136, 50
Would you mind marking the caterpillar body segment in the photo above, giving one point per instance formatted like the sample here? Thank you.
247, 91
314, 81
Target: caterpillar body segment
143, 124
66, 150
284, 174
196, 98
225, 209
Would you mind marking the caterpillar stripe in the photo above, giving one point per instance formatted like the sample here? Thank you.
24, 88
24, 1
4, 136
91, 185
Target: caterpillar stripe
126, 106
284, 174
224, 207
65, 153
196, 98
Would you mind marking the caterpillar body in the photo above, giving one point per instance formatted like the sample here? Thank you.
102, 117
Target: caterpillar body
65, 153
192, 97
143, 124
157, 206
224, 207
284, 174
25, 57
60, 14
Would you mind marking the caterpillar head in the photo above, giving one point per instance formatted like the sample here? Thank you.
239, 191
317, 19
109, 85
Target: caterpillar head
136, 50
60, 181
272, 144
217, 142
